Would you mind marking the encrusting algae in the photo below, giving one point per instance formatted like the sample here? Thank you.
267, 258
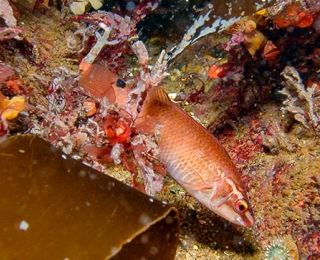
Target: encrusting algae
251, 81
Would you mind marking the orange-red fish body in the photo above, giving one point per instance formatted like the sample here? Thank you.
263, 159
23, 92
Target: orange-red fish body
193, 156
196, 159
100, 82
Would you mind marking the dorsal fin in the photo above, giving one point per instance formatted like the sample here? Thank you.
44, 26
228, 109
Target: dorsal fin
147, 119
158, 95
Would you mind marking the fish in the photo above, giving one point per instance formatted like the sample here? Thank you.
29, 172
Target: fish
196, 159
191, 154
99, 82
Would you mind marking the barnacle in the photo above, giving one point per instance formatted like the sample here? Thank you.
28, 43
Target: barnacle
283, 248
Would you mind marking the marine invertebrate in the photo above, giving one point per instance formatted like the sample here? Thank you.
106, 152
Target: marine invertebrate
117, 31
294, 14
116, 128
216, 72
90, 107
10, 108
274, 138
215, 18
79, 7
281, 248
270, 51
102, 40
6, 13
111, 43
245, 31
253, 39
300, 101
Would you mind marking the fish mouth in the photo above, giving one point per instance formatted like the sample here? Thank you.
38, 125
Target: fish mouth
246, 220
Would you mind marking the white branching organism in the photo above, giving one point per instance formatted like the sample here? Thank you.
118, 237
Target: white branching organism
102, 40
215, 17
302, 102
158, 71
153, 182
190, 35
116, 152
147, 79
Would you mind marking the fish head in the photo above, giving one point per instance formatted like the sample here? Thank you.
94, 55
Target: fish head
228, 201
236, 210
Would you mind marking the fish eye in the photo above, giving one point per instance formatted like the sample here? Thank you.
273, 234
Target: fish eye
241, 206
120, 83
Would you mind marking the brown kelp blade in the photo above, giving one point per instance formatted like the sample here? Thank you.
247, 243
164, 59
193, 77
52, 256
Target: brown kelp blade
53, 207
